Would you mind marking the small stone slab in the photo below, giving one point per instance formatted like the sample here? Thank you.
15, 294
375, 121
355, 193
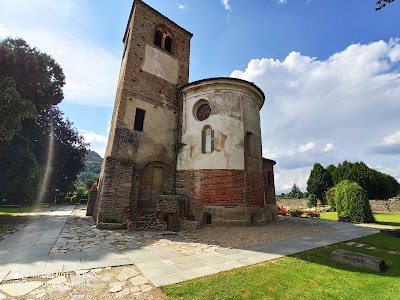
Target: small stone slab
139, 280
358, 260
391, 232
115, 289
20, 289
127, 273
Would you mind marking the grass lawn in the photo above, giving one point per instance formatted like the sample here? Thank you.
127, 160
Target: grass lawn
307, 275
10, 211
381, 218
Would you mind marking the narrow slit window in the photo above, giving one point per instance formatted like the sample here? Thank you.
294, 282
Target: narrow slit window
139, 119
168, 44
250, 144
157, 39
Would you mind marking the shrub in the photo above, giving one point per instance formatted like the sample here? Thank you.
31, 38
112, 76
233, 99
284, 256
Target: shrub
352, 201
312, 200
296, 212
330, 197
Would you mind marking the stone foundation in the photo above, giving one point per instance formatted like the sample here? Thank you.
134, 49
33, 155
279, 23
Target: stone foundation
235, 215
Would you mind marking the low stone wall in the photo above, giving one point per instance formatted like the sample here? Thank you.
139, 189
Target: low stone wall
186, 225
302, 203
385, 205
392, 205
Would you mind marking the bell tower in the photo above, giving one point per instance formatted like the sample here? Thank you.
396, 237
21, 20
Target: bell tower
140, 158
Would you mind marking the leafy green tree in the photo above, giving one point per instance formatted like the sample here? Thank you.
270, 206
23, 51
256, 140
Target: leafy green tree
319, 182
352, 201
46, 143
38, 77
13, 110
295, 192
330, 197
312, 200
52, 135
377, 184
20, 173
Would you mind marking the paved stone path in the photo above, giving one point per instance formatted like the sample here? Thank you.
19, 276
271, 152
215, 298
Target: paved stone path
63, 240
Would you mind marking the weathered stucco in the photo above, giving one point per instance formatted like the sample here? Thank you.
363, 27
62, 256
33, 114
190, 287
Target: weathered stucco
234, 112
161, 64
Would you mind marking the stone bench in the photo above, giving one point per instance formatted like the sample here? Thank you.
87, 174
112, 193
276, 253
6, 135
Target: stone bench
358, 260
391, 232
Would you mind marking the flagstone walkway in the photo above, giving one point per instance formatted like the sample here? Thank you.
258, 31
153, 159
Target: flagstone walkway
63, 240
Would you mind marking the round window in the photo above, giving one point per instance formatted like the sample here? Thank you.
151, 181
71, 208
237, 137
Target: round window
203, 112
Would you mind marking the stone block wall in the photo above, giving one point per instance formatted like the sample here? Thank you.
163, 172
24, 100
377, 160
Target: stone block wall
385, 205
186, 225
114, 193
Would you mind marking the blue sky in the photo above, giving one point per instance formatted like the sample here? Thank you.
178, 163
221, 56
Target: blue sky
330, 69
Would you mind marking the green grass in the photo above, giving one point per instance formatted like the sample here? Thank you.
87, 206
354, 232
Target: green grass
392, 219
2, 229
307, 275
10, 211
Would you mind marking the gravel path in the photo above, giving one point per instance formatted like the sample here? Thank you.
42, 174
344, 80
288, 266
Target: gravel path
285, 228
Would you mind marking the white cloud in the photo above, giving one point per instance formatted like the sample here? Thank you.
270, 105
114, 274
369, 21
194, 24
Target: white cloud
392, 139
282, 1
344, 102
226, 4
306, 147
328, 147
90, 68
182, 6
97, 142
4, 32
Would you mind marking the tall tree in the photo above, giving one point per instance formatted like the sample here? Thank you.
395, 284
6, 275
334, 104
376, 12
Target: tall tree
13, 110
319, 182
47, 145
38, 77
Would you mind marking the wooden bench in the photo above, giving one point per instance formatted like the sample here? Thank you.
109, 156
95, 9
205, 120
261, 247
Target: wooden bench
358, 260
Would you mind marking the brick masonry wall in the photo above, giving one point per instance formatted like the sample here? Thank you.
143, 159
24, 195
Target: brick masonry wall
220, 187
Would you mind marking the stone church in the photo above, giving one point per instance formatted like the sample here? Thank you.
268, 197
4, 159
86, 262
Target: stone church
197, 145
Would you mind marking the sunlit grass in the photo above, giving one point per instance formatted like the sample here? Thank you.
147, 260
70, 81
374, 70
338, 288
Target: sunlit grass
307, 275
392, 219
10, 211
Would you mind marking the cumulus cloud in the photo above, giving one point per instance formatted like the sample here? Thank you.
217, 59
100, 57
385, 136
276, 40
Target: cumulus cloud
328, 147
97, 142
306, 147
390, 145
226, 4
281, 1
344, 102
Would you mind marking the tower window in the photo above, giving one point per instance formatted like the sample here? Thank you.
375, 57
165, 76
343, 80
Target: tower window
158, 38
168, 44
139, 119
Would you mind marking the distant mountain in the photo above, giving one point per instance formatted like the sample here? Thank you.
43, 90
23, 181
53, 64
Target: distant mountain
93, 156
92, 169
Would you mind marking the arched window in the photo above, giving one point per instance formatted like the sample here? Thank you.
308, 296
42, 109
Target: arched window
207, 140
158, 39
249, 144
168, 44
